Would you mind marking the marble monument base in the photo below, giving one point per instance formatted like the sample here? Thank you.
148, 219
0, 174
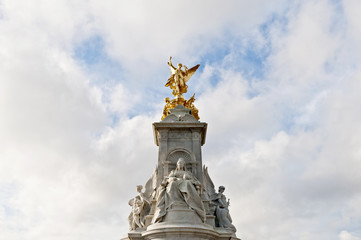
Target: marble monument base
163, 231
181, 223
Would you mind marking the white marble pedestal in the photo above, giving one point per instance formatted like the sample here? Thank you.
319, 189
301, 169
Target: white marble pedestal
180, 136
181, 223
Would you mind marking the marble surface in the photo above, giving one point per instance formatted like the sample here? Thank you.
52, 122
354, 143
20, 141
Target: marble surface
182, 200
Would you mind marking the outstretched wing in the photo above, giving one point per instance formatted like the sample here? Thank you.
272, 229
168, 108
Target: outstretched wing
190, 72
150, 186
208, 183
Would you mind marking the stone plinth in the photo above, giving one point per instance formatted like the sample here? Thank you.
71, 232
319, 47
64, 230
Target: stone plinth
179, 135
177, 231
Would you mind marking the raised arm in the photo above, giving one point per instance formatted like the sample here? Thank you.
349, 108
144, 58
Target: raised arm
170, 63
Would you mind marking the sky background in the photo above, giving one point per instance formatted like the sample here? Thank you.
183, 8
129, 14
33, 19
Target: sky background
81, 83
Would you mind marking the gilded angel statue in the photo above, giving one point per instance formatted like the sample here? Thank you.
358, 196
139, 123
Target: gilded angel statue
218, 202
179, 78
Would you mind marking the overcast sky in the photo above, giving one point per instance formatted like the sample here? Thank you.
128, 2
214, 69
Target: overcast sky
81, 83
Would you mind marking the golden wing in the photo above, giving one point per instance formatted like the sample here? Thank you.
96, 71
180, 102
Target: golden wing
190, 72
170, 81
172, 70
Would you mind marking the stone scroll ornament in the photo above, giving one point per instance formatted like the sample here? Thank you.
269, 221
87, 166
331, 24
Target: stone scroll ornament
141, 203
218, 202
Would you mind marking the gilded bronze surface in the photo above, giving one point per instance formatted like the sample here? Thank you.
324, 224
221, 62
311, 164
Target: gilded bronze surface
189, 104
177, 82
179, 78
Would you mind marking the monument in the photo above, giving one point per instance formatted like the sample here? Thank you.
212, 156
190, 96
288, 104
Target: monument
179, 201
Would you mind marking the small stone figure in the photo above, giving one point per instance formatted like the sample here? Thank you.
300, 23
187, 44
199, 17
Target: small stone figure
140, 208
218, 203
179, 187
223, 218
179, 77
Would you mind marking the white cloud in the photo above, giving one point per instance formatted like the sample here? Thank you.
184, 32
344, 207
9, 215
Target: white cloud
147, 33
344, 235
285, 145
121, 100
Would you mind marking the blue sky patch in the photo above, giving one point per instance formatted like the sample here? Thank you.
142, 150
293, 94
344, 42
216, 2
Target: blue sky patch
102, 69
91, 51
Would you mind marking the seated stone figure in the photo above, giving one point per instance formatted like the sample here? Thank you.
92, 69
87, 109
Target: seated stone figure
179, 187
223, 218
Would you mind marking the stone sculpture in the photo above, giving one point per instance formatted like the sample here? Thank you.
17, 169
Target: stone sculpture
140, 208
223, 218
219, 204
141, 203
178, 188
180, 203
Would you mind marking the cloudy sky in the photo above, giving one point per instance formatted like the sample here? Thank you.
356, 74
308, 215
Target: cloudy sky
81, 83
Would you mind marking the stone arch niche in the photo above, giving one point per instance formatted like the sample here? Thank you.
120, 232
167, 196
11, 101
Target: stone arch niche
173, 156
184, 136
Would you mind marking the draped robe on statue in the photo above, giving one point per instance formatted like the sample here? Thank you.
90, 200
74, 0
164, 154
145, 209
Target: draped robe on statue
179, 187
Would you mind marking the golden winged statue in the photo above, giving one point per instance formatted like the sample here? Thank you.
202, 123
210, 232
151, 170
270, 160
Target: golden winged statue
179, 78
177, 82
